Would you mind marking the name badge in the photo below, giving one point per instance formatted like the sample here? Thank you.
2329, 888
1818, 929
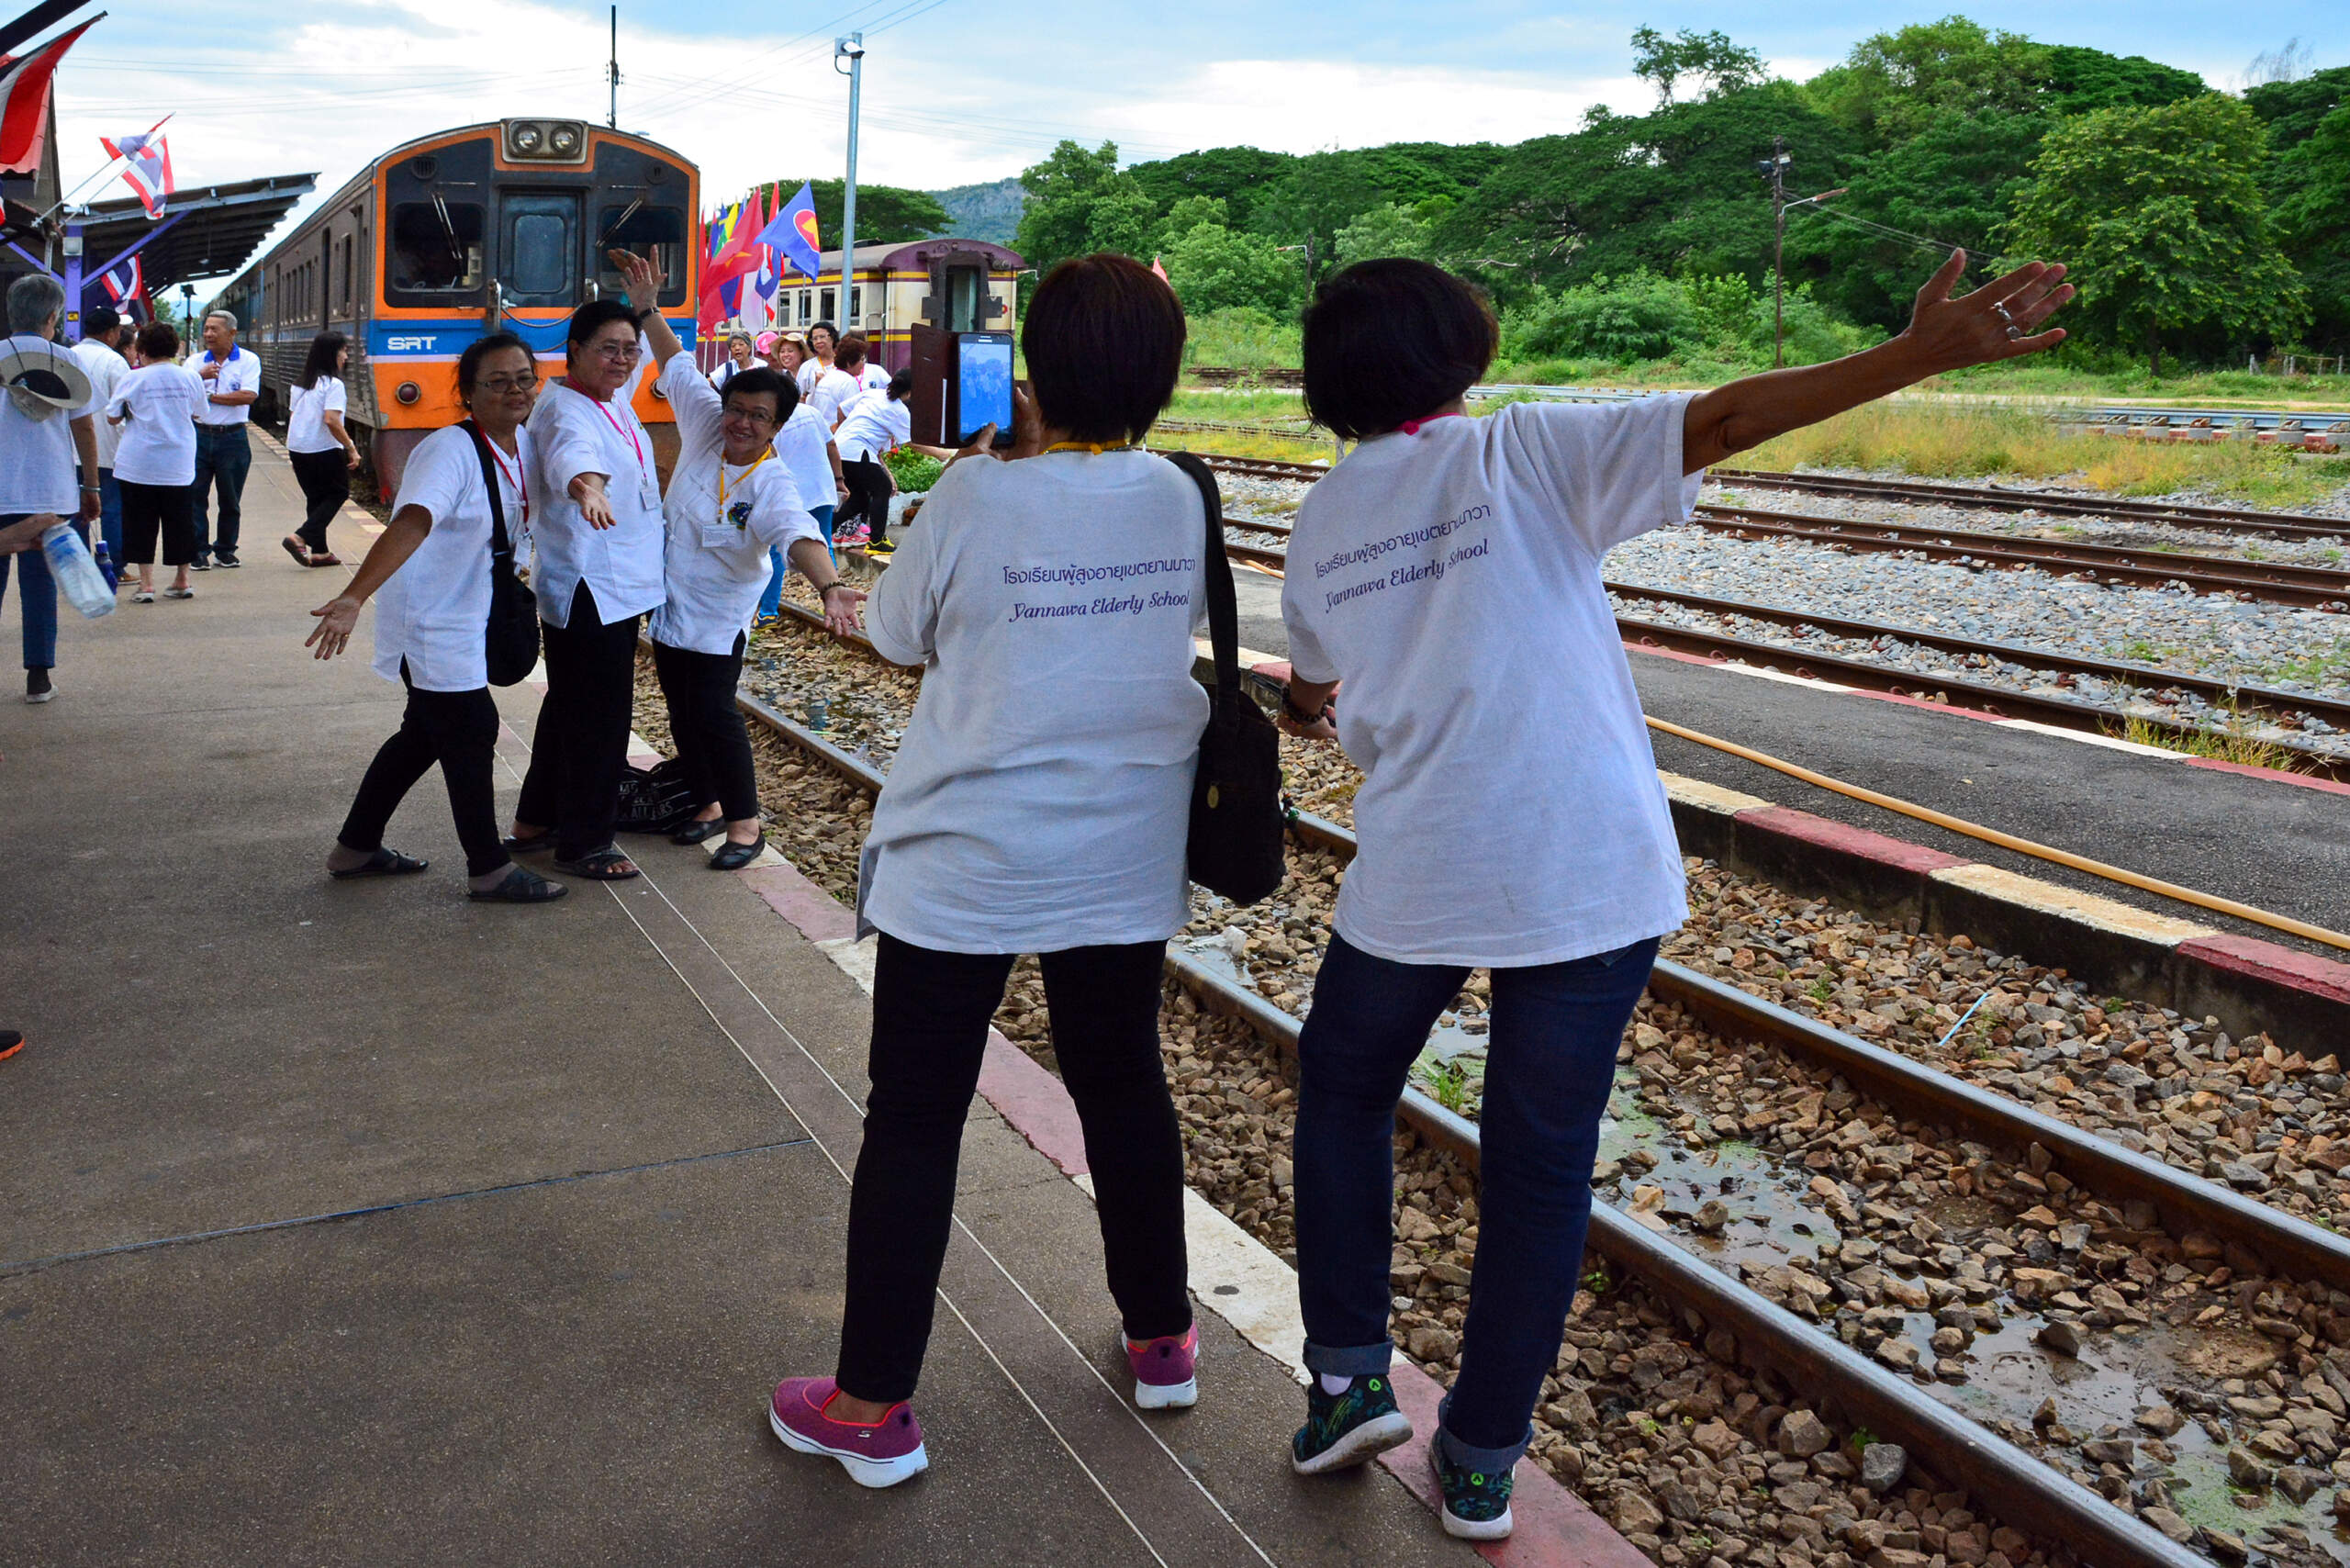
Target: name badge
729, 527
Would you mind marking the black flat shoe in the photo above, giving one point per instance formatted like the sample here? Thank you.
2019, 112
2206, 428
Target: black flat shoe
734, 857
694, 833
605, 865
521, 886
383, 863
527, 845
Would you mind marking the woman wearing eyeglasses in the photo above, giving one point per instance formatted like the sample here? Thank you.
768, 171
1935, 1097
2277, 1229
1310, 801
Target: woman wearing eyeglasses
596, 522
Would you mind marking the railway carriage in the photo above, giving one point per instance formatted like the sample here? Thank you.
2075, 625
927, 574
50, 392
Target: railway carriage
955, 286
446, 238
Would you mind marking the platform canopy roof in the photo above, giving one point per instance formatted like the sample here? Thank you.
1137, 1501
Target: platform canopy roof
205, 232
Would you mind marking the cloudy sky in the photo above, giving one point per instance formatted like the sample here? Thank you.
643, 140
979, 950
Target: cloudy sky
957, 92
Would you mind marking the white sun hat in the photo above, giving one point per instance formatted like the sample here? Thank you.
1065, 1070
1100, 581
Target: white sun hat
43, 377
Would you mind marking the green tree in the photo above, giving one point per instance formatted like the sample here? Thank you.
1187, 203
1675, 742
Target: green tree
2081, 80
1235, 176
1215, 268
2292, 110
1722, 65
1893, 84
1390, 228
2160, 214
2312, 185
1063, 190
886, 214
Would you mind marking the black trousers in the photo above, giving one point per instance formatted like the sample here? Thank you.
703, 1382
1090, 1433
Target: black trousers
868, 495
930, 1032
459, 730
581, 744
708, 727
151, 509
325, 478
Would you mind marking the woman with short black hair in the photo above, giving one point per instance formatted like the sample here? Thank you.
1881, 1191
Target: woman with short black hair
322, 452
154, 407
817, 351
429, 571
595, 500
1029, 812
1455, 588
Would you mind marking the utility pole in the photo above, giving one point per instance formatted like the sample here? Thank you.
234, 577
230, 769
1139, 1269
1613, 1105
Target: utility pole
851, 49
1776, 166
612, 72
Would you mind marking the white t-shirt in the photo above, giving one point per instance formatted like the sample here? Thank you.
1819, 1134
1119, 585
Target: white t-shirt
434, 612
832, 393
806, 374
872, 426
1041, 797
40, 469
801, 443
873, 378
157, 404
241, 373
1510, 812
571, 434
727, 371
306, 417
106, 369
717, 561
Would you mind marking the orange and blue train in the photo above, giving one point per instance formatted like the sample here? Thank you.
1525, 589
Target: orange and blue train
446, 238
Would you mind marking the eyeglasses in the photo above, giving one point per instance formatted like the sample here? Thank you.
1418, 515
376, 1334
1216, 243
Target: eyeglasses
500, 384
619, 353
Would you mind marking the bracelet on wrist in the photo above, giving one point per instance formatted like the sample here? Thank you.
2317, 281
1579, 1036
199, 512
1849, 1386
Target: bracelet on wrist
1298, 715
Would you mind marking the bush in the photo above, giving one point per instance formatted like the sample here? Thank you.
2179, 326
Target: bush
914, 472
1640, 316
1241, 335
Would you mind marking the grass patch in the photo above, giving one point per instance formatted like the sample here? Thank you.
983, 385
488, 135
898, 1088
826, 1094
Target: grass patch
2329, 667
1959, 442
2232, 741
1255, 405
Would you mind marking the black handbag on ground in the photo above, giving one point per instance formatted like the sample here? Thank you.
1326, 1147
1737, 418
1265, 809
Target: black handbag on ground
1237, 826
511, 639
655, 800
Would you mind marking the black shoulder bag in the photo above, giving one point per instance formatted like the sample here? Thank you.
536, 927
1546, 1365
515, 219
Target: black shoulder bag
1235, 842
511, 639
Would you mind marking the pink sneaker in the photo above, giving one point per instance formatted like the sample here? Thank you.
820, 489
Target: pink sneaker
880, 1454
1165, 1371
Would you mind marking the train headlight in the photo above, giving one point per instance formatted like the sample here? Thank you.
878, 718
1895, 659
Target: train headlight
546, 142
408, 392
565, 141
526, 139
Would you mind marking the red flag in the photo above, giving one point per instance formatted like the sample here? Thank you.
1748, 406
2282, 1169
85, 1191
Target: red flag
1160, 271
24, 84
149, 155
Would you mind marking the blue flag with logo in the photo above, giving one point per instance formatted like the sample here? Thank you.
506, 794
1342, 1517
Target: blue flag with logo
793, 235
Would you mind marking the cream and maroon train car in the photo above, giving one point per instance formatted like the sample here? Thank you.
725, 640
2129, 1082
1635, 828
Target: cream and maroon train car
441, 239
955, 285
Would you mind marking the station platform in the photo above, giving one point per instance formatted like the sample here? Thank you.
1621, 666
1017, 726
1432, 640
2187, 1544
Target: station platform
357, 1223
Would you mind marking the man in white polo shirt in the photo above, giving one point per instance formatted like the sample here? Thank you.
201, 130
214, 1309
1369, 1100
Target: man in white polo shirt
223, 456
100, 353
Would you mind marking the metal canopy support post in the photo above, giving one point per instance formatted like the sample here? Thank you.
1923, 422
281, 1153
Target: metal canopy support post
34, 262
135, 247
71, 326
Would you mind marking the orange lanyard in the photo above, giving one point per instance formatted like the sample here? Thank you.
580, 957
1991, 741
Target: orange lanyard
746, 474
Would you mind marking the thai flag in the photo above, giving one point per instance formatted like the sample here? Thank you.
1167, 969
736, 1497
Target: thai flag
25, 82
149, 155
125, 289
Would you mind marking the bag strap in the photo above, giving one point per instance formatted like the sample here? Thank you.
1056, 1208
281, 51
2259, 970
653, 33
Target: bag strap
1224, 608
501, 549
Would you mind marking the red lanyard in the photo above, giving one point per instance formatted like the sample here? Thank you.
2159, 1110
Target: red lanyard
630, 432
512, 476
1412, 427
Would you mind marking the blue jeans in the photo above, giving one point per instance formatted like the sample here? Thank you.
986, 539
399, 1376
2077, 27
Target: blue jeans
110, 520
1550, 1061
223, 457
38, 590
771, 601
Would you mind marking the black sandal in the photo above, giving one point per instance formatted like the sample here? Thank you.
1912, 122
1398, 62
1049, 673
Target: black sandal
600, 865
521, 886
383, 863
694, 833
529, 845
734, 857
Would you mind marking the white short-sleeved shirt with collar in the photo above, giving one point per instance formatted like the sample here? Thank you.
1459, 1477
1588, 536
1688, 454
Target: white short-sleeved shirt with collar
806, 374
717, 555
434, 612
306, 417
571, 434
1510, 814
240, 372
156, 443
832, 393
872, 426
1041, 797
801, 443
106, 369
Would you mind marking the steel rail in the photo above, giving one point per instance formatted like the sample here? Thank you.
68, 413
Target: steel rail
2276, 582
2025, 1492
2279, 525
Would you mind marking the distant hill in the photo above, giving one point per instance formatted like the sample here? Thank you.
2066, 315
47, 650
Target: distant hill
990, 212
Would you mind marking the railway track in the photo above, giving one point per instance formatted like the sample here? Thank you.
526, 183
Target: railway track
2068, 1197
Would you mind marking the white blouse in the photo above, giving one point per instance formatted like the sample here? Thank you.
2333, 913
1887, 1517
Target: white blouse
434, 612
571, 434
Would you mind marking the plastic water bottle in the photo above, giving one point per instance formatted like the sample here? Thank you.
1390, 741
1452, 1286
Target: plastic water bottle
75, 573
104, 559
818, 714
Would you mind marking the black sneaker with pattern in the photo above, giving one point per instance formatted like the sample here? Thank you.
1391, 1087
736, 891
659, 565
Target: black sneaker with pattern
1344, 1430
1476, 1504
